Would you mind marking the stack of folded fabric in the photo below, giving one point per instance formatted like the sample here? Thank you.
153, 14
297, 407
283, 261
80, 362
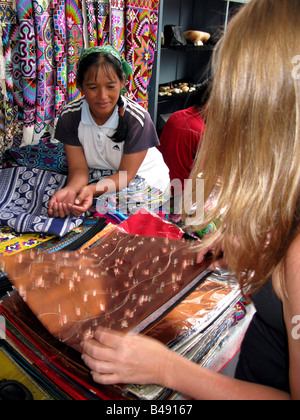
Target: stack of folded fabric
197, 328
24, 196
150, 285
134, 197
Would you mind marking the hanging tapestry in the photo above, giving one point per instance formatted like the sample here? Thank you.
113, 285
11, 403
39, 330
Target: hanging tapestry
141, 36
60, 54
45, 107
75, 44
27, 56
118, 23
97, 15
11, 95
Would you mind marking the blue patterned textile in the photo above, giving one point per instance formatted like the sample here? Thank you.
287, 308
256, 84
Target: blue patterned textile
48, 156
24, 197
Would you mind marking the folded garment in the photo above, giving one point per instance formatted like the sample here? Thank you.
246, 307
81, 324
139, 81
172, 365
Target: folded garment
137, 195
48, 156
24, 197
125, 283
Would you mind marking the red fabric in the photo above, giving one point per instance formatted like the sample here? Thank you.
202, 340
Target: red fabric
149, 224
180, 141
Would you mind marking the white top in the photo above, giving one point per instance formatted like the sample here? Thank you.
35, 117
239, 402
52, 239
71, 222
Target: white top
77, 127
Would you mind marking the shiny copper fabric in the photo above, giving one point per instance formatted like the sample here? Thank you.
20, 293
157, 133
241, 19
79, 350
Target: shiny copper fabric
191, 312
116, 285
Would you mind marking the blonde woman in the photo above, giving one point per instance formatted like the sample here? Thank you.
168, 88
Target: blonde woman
253, 129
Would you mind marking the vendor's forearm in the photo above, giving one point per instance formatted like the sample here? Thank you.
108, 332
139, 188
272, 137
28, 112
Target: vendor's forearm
78, 179
112, 184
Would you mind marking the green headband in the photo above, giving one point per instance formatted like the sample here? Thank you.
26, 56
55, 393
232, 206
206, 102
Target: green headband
107, 49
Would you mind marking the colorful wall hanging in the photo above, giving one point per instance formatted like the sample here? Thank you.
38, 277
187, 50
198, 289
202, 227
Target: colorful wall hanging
40, 43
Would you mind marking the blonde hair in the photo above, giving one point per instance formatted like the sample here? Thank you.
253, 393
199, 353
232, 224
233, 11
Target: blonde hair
252, 140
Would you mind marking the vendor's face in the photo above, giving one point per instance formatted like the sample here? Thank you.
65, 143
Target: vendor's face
101, 87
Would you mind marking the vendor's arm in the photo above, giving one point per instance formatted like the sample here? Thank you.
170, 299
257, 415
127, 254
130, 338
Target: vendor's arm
129, 167
77, 179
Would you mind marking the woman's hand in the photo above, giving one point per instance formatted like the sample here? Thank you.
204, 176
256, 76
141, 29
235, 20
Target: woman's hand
83, 201
59, 203
115, 358
67, 201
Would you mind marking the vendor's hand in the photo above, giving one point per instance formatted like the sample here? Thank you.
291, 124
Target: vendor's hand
115, 358
58, 205
83, 201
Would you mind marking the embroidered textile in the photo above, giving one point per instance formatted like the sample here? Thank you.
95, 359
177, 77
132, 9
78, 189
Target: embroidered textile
97, 13
75, 44
24, 198
118, 25
60, 54
11, 98
47, 156
141, 35
138, 195
27, 57
45, 108
61, 364
117, 284
12, 243
58, 244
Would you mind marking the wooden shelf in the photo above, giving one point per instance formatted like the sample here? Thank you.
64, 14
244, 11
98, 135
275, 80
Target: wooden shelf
187, 48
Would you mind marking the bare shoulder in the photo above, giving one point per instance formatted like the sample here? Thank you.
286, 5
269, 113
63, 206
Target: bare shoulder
291, 309
289, 282
293, 265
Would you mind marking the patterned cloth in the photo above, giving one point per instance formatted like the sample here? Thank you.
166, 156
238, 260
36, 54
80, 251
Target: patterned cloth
47, 156
12, 243
60, 53
24, 198
11, 92
27, 56
97, 22
141, 35
75, 44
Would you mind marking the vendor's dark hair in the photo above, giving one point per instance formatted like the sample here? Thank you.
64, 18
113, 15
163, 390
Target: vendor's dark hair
107, 61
